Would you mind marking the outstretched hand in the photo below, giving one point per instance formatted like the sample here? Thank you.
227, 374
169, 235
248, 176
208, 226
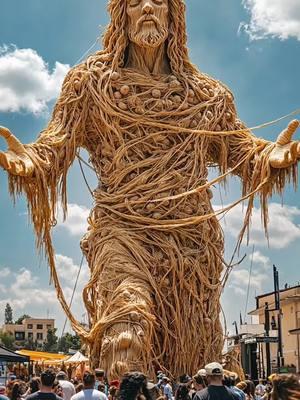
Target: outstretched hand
286, 151
16, 160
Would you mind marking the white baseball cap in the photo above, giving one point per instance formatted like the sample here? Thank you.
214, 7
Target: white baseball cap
214, 368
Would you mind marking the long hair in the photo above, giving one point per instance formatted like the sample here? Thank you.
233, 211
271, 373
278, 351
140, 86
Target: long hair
134, 386
115, 39
286, 387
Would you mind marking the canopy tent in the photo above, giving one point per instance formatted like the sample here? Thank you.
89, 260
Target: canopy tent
41, 356
9, 356
76, 358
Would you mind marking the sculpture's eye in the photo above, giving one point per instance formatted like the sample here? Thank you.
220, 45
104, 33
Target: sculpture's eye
134, 3
158, 2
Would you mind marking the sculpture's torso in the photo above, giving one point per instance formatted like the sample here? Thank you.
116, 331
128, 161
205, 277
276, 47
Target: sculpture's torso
137, 162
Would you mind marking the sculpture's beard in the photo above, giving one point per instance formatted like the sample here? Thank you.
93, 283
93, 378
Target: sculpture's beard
148, 34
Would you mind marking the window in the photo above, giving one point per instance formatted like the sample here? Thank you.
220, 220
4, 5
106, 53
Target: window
39, 336
39, 326
30, 335
49, 327
29, 326
20, 335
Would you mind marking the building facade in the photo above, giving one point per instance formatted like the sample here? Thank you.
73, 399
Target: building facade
31, 330
290, 323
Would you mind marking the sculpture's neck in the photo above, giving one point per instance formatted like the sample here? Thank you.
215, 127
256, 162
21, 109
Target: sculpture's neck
148, 60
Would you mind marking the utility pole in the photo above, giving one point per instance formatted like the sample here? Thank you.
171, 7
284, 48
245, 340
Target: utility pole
267, 333
280, 358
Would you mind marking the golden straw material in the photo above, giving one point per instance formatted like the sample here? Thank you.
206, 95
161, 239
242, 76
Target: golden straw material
154, 244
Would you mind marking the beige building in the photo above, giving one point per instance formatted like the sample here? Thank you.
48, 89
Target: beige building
290, 322
32, 329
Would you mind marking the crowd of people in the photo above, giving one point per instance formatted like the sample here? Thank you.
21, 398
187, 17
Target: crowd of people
210, 383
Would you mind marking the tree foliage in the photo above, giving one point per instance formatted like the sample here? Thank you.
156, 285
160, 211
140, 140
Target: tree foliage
20, 320
8, 314
69, 341
7, 340
50, 345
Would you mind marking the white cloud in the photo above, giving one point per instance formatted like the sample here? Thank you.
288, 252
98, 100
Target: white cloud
26, 82
76, 222
273, 18
68, 270
261, 260
4, 272
283, 230
28, 293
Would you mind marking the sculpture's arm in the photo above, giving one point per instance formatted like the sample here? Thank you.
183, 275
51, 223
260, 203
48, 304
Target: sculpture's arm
39, 170
55, 149
242, 152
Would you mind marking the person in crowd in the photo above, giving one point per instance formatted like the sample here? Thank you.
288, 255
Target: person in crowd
89, 392
57, 389
250, 390
18, 390
182, 392
112, 393
153, 390
286, 387
101, 387
46, 388
79, 387
268, 392
229, 381
199, 382
33, 387
101, 380
134, 387
216, 389
202, 373
3, 393
260, 389
167, 388
68, 388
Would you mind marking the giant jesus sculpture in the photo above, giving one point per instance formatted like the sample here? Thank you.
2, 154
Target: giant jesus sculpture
152, 124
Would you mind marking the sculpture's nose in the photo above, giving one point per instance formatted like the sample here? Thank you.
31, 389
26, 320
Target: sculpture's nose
148, 9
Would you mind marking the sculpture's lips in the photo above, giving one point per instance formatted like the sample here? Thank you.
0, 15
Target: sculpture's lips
150, 20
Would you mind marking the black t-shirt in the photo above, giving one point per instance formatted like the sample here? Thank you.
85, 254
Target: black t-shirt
216, 393
43, 396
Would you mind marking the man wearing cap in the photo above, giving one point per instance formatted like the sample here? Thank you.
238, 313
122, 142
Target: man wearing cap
67, 387
167, 388
2, 393
215, 390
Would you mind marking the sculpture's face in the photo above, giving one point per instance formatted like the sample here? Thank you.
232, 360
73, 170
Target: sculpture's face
148, 22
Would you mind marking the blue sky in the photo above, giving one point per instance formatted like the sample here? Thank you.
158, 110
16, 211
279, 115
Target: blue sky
252, 46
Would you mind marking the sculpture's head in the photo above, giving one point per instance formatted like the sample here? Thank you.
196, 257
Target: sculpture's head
147, 23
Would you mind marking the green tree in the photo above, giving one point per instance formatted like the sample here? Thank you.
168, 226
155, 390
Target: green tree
69, 341
50, 344
30, 344
20, 319
7, 340
8, 314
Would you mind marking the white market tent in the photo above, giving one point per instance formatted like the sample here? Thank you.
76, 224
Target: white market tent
76, 359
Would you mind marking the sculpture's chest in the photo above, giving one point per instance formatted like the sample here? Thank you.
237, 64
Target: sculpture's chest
163, 100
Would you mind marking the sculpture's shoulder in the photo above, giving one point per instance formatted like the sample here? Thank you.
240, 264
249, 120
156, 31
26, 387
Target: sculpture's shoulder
214, 87
74, 82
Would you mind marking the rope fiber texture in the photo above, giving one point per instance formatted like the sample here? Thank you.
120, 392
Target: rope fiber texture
154, 244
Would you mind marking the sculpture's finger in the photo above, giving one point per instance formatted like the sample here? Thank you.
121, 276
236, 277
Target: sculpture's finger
298, 150
15, 145
4, 132
4, 163
286, 136
286, 157
294, 151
